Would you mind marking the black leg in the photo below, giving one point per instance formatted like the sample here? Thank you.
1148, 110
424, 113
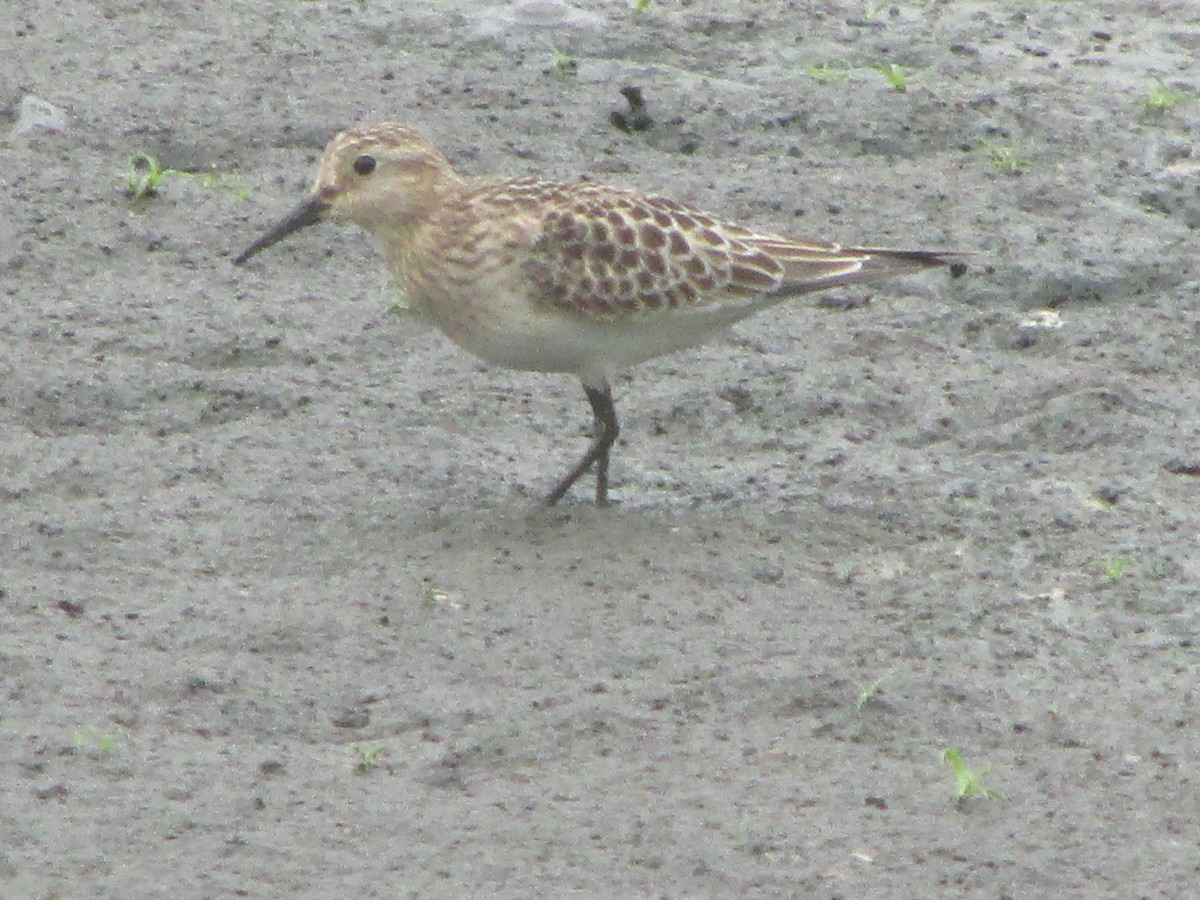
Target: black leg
605, 434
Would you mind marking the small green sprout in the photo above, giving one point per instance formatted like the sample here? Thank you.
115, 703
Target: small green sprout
92, 737
429, 594
640, 5
564, 63
897, 76
144, 176
828, 73
1160, 98
967, 783
368, 757
867, 693
1004, 158
1114, 569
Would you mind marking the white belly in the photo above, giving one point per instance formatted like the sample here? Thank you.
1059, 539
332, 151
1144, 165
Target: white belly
515, 335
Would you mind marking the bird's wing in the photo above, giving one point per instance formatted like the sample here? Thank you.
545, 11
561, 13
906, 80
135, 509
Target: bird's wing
609, 253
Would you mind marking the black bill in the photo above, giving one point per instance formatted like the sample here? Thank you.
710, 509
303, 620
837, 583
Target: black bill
307, 213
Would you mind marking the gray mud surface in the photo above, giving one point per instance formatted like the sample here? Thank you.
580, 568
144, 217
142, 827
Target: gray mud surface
280, 616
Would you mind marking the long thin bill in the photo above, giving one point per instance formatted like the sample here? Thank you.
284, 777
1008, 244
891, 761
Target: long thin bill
307, 213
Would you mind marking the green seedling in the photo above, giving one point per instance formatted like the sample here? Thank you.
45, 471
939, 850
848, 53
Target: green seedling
1004, 158
144, 176
897, 76
867, 693
1160, 98
828, 73
368, 757
564, 63
967, 783
1114, 569
429, 594
92, 737
640, 5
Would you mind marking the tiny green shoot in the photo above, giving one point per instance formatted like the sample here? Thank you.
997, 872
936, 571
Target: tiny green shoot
1004, 158
1114, 569
368, 757
144, 176
1160, 98
867, 693
896, 75
92, 737
967, 783
640, 5
564, 63
429, 594
146, 173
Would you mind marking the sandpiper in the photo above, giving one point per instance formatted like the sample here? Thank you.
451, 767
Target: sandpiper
577, 277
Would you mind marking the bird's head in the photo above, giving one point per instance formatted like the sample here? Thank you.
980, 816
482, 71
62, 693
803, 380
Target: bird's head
382, 177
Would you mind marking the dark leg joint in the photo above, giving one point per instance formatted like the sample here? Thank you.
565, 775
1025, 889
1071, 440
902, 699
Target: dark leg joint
606, 431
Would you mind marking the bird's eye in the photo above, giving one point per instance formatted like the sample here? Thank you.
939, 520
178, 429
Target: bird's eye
364, 165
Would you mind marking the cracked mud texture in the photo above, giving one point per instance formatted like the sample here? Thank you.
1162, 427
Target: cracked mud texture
281, 616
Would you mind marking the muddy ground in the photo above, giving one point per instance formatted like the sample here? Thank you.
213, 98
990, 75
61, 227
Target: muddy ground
281, 615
